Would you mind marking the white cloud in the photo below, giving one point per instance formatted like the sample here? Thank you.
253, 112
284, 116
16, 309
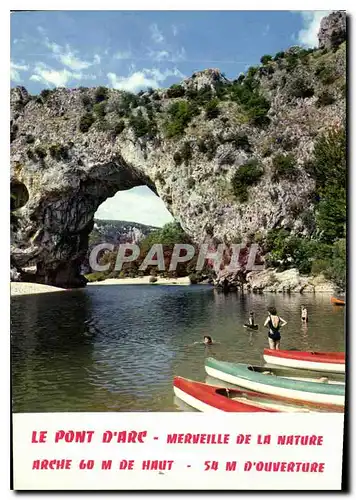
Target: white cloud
174, 30
58, 78
142, 79
158, 55
15, 70
138, 204
123, 55
308, 36
67, 56
156, 34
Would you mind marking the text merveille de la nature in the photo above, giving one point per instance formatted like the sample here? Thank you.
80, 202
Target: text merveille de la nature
122, 437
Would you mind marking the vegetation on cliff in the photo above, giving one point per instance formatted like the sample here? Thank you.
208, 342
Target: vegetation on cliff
258, 158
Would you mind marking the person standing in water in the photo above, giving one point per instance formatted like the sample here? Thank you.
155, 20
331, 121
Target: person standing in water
274, 323
251, 319
304, 314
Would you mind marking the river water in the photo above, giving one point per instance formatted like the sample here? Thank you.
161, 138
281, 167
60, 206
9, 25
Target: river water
117, 348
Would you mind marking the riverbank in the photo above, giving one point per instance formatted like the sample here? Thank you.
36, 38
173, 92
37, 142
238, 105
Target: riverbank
22, 288
144, 280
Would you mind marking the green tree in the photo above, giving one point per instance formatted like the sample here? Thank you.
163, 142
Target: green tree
266, 59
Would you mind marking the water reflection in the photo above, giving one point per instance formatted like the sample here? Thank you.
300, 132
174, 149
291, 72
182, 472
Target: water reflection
112, 348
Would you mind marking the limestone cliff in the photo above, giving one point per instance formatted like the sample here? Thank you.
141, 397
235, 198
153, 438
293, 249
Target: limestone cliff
227, 157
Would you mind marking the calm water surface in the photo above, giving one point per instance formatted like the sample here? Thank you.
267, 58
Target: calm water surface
117, 348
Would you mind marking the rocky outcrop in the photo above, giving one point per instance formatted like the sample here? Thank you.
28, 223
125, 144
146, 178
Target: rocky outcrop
289, 281
71, 149
332, 30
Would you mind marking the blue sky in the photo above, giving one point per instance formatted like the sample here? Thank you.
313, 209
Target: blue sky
136, 50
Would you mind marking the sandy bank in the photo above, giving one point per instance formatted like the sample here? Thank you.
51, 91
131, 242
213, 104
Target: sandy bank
19, 288
143, 281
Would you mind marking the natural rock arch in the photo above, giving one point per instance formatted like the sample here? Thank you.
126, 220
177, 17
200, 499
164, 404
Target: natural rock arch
57, 225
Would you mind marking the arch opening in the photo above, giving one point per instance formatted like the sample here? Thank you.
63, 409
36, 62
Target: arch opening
19, 195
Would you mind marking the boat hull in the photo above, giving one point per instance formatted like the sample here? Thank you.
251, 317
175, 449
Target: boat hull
319, 361
288, 388
205, 398
337, 302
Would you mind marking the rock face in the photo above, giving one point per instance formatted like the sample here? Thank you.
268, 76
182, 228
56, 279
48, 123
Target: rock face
289, 281
332, 30
71, 149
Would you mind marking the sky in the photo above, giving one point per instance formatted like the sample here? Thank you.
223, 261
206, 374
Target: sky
135, 50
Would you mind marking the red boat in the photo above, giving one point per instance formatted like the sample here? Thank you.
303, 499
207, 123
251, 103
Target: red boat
206, 398
337, 302
317, 361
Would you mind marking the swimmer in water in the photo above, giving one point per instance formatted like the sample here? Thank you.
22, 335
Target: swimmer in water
304, 314
207, 340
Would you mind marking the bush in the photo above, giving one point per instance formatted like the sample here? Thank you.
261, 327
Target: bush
40, 152
100, 109
101, 94
93, 277
193, 279
204, 94
300, 88
279, 55
241, 78
212, 109
338, 267
186, 152
58, 151
87, 102
329, 162
324, 99
86, 121
31, 155
30, 139
252, 70
118, 127
331, 213
325, 74
175, 91
103, 125
45, 93
292, 61
190, 182
247, 175
255, 104
140, 125
266, 59
240, 141
208, 145
177, 157
320, 266
181, 113
284, 167
152, 279
288, 143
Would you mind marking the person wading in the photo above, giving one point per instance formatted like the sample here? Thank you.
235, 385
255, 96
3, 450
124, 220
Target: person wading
274, 323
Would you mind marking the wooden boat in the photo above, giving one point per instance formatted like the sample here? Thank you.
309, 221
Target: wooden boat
206, 398
337, 302
251, 327
333, 362
279, 382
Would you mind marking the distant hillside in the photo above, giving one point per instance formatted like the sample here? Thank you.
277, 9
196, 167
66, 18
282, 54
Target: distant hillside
118, 231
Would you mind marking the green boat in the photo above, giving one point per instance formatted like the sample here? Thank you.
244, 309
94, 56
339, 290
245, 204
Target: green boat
316, 388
